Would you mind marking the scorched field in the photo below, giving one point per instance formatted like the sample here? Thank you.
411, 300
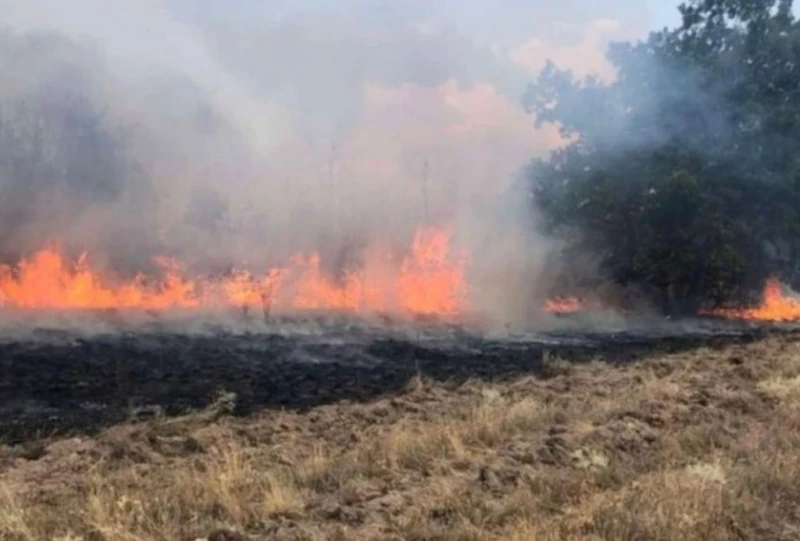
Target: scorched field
332, 429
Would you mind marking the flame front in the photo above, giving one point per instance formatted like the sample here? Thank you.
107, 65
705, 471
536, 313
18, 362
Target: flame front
429, 280
776, 306
48, 280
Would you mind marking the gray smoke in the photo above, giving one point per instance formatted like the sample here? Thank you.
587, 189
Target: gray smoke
243, 134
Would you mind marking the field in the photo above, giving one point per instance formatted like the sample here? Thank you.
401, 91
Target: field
692, 439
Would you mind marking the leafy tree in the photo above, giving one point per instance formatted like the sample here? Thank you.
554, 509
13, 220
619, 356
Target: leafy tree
683, 175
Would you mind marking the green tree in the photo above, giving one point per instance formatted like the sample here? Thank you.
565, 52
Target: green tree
683, 175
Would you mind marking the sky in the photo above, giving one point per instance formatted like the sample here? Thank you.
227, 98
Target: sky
505, 17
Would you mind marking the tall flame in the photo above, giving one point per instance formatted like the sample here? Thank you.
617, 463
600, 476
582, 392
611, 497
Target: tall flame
48, 280
776, 306
429, 280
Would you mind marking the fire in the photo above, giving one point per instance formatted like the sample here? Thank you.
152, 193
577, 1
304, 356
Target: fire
776, 306
563, 305
428, 284
569, 305
429, 280
47, 280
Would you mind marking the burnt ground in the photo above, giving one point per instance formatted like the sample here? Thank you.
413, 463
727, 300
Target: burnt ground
437, 437
55, 382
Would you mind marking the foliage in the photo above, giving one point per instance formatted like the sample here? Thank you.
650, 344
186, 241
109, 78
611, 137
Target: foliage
683, 174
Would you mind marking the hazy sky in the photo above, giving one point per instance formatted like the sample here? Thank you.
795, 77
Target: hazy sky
502, 18
287, 68
394, 41
384, 81
386, 85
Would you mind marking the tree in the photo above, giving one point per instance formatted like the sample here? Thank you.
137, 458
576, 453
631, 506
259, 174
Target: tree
683, 175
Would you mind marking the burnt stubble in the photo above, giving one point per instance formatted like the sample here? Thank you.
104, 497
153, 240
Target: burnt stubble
57, 381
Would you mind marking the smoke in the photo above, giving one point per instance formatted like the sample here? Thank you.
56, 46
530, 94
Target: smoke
243, 134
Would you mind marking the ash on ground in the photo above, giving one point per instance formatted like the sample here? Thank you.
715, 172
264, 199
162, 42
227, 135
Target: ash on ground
74, 375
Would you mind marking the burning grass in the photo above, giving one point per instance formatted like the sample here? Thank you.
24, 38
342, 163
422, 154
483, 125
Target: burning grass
775, 306
428, 280
697, 445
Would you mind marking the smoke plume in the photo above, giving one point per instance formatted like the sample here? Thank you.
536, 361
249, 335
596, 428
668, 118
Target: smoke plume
242, 134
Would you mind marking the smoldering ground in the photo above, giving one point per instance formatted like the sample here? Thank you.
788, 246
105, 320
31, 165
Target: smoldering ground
240, 136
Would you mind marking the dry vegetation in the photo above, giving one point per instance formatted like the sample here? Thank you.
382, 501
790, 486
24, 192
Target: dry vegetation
690, 446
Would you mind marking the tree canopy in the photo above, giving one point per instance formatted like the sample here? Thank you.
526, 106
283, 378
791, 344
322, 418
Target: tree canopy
682, 176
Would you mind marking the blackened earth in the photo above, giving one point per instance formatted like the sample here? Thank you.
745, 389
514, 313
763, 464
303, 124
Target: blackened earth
56, 382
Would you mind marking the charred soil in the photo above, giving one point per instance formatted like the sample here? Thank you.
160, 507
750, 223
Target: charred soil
58, 383
590, 438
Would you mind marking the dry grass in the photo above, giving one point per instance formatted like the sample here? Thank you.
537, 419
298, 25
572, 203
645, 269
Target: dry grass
693, 446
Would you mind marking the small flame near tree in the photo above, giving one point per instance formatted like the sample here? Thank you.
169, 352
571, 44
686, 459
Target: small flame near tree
564, 305
775, 306
570, 304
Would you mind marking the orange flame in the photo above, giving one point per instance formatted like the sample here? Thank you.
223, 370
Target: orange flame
429, 280
428, 283
47, 280
563, 305
568, 305
776, 306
